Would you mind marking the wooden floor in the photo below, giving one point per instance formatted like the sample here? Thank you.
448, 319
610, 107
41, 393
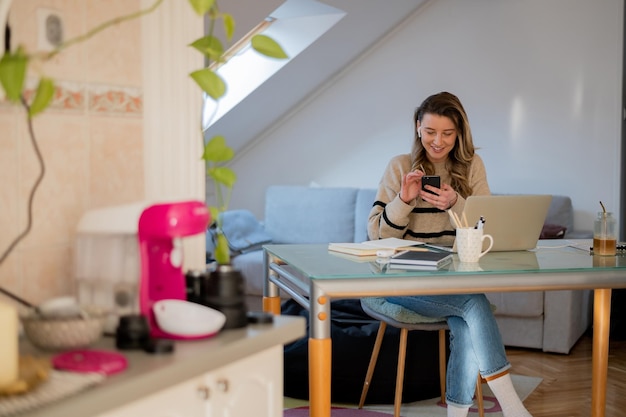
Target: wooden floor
566, 387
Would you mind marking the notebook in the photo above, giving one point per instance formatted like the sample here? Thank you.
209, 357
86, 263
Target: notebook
429, 260
514, 221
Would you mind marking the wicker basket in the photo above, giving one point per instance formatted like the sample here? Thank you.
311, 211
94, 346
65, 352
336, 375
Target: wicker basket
63, 333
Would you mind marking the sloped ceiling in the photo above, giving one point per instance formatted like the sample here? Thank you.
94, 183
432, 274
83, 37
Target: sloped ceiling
366, 22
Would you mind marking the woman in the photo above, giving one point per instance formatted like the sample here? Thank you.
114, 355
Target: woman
443, 146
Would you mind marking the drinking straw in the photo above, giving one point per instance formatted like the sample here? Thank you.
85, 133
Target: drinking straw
604, 219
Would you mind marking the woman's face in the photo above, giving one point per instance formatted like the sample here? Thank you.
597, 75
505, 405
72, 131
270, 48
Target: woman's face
438, 136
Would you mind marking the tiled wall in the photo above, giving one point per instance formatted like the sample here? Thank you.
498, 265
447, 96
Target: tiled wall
91, 141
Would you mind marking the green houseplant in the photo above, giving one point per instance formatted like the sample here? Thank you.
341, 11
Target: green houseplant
14, 68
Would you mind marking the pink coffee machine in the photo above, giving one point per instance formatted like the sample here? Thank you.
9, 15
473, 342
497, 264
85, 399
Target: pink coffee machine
160, 230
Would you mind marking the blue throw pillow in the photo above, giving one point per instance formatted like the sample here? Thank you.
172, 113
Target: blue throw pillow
243, 231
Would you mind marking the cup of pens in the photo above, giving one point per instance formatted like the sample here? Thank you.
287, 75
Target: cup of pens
469, 243
469, 240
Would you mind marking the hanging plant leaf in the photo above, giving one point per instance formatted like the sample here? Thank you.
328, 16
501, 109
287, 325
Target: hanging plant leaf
216, 150
201, 7
13, 73
222, 251
43, 96
210, 82
229, 26
215, 212
267, 46
209, 46
223, 175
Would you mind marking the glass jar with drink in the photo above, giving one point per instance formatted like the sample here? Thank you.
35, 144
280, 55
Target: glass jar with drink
605, 234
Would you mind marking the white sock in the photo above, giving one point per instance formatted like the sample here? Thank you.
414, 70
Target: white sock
455, 411
510, 402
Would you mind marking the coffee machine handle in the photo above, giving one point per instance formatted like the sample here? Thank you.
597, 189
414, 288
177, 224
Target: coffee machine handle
176, 255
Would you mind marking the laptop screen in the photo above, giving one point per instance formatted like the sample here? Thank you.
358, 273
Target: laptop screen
514, 221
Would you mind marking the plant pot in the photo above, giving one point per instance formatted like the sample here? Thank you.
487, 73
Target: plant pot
223, 290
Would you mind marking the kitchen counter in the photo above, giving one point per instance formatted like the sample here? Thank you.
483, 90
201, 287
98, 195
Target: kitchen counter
149, 373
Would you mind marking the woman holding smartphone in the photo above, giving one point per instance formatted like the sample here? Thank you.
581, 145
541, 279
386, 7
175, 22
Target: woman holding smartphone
407, 207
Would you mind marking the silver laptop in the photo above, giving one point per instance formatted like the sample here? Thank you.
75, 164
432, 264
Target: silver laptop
514, 221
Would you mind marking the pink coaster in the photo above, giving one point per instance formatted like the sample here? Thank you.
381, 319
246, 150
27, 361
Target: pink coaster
86, 360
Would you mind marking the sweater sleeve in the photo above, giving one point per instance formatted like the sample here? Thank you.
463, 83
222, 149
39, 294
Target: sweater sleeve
389, 216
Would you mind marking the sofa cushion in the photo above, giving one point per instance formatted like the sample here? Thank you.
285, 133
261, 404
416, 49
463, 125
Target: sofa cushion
299, 214
561, 212
242, 231
364, 201
517, 304
552, 231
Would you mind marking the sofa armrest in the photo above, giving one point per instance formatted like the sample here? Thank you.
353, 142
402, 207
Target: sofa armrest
567, 315
579, 234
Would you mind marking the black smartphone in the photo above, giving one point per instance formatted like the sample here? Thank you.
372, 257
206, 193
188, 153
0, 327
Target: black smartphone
433, 180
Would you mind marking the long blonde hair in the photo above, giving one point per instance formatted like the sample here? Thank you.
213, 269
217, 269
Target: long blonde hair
460, 158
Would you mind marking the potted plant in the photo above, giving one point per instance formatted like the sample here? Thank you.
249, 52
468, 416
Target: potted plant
14, 67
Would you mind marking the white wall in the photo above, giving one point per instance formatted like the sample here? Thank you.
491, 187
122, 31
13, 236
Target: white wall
540, 80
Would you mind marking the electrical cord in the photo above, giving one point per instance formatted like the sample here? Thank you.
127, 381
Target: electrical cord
31, 196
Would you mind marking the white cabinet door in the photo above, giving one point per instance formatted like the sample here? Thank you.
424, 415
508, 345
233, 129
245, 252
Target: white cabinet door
250, 387
183, 400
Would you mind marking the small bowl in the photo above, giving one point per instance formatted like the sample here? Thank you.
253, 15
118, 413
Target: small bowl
63, 333
187, 319
60, 307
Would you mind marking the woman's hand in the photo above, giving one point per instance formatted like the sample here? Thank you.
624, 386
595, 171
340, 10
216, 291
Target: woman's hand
411, 187
444, 197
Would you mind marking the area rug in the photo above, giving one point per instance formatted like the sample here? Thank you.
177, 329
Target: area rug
524, 385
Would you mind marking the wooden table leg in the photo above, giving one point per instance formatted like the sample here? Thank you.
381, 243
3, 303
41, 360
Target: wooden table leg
600, 358
320, 354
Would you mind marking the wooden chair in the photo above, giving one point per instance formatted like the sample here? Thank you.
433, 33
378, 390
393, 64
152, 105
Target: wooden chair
439, 326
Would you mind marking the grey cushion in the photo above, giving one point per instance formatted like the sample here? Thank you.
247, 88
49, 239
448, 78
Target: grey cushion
561, 212
242, 230
298, 214
364, 201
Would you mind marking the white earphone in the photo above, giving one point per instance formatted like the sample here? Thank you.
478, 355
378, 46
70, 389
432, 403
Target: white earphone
419, 132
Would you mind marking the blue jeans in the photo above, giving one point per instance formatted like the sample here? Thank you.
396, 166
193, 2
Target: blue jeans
475, 341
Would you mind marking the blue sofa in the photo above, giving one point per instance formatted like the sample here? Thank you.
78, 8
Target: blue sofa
552, 321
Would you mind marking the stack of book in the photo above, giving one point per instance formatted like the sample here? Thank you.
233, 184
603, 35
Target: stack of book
397, 253
420, 260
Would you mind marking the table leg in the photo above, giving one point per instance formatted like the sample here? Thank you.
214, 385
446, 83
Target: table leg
600, 358
271, 305
320, 354
271, 294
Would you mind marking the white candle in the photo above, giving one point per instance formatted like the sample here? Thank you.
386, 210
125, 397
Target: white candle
9, 358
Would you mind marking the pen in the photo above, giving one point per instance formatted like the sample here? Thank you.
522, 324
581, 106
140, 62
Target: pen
413, 249
481, 223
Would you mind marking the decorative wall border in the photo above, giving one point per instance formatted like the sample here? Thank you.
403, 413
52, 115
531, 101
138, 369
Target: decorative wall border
91, 98
116, 100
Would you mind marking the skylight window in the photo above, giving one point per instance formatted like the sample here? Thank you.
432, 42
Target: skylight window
295, 25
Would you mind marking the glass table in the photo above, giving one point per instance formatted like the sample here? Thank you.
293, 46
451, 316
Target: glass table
313, 276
